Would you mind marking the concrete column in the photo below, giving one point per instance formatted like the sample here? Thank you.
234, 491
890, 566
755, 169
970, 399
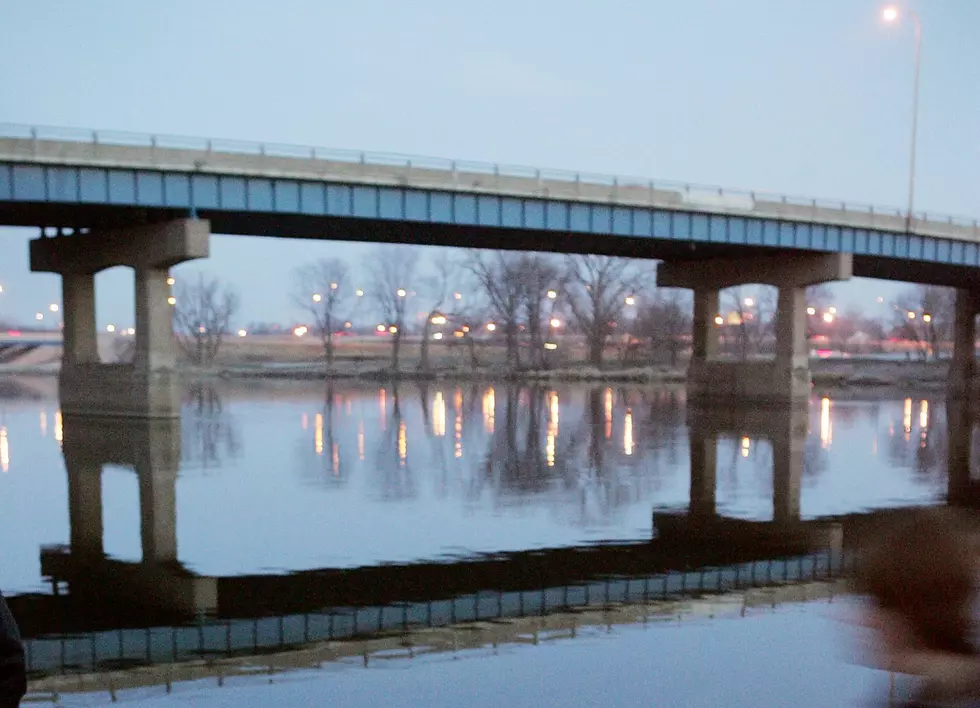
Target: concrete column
959, 428
158, 513
705, 334
155, 346
80, 345
788, 444
791, 344
85, 508
704, 474
962, 367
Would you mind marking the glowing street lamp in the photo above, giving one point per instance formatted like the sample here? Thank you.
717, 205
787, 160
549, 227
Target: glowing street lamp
630, 300
401, 292
828, 317
380, 328
171, 301
393, 329
927, 318
719, 320
749, 302
110, 328
911, 315
458, 296
53, 307
39, 316
438, 319
317, 297
491, 327
359, 292
552, 294
171, 281
334, 286
555, 322
242, 333
811, 311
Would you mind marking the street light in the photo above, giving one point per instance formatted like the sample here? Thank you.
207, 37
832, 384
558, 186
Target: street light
555, 322
317, 297
552, 294
749, 302
892, 15
927, 318
630, 300
401, 292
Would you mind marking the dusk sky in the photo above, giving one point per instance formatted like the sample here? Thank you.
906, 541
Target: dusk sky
792, 96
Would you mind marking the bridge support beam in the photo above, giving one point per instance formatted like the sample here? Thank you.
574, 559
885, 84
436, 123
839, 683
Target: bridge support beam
785, 377
962, 369
147, 387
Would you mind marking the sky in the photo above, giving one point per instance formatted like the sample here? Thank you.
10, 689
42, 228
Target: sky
790, 96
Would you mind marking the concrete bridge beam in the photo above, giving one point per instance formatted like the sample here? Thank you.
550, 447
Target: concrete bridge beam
148, 387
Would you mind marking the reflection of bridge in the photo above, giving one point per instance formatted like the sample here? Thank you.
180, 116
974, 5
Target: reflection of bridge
149, 204
156, 610
291, 651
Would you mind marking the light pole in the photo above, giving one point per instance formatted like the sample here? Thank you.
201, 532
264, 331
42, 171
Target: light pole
891, 15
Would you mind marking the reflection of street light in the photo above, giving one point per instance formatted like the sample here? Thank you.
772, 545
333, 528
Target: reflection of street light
892, 15
550, 346
552, 294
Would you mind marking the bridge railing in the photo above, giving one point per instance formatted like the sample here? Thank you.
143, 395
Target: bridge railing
697, 194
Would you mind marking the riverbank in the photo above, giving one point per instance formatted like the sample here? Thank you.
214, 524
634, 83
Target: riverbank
859, 373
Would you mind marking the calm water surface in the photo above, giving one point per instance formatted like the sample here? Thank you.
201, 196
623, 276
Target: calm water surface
268, 479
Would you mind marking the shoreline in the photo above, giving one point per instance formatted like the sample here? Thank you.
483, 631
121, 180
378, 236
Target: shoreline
834, 375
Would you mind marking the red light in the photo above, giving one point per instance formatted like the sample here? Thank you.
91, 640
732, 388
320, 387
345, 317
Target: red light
13, 332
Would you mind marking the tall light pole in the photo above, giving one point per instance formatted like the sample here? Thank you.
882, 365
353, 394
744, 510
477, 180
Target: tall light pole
892, 15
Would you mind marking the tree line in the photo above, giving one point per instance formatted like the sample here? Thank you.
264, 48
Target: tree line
524, 300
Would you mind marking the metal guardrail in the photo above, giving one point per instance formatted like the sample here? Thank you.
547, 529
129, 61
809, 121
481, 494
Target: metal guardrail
697, 193
215, 638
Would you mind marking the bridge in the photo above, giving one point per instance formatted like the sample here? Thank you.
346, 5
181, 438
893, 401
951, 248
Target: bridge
103, 199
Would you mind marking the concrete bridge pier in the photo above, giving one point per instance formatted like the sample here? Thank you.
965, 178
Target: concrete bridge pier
785, 427
147, 387
158, 583
787, 375
962, 369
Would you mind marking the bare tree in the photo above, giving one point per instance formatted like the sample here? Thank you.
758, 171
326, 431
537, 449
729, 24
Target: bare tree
440, 308
666, 320
597, 290
203, 309
542, 277
392, 271
322, 288
755, 310
500, 277
925, 314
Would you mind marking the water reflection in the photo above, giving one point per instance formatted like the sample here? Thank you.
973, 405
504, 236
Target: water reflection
377, 499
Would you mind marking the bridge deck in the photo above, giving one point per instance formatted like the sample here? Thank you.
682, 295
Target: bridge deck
316, 165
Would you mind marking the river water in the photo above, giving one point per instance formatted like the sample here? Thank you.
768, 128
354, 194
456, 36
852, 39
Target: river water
134, 544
